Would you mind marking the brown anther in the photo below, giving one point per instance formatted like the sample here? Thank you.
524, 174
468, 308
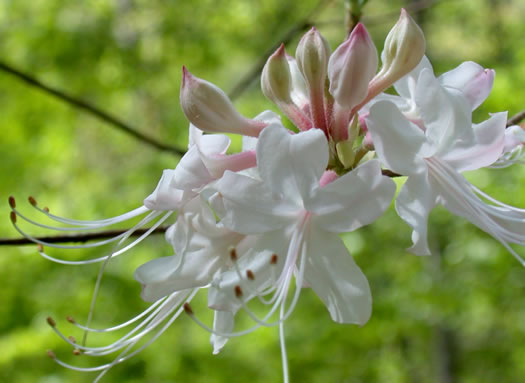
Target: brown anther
46, 209
187, 308
72, 339
51, 321
32, 200
70, 319
238, 291
51, 354
12, 202
77, 352
273, 260
233, 254
250, 275
40, 248
13, 217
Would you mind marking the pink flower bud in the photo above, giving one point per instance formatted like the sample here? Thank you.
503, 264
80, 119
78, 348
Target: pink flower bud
209, 108
404, 49
276, 81
351, 67
312, 56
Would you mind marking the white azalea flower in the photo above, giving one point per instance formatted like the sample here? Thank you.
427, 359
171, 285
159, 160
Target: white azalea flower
434, 142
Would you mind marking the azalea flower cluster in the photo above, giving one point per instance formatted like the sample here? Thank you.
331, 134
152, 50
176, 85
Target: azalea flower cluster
262, 224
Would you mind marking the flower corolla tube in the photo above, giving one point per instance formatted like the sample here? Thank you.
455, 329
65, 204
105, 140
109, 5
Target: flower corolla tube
258, 226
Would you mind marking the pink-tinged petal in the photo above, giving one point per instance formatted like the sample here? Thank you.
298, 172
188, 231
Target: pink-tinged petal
218, 164
213, 147
209, 108
484, 150
292, 165
472, 79
165, 196
223, 322
249, 207
400, 144
353, 200
336, 279
446, 113
351, 67
413, 204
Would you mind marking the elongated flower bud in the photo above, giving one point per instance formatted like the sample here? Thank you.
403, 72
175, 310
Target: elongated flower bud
276, 79
404, 49
351, 67
207, 107
312, 55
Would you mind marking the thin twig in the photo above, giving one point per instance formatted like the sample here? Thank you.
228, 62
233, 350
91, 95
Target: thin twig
516, 119
256, 70
76, 238
81, 104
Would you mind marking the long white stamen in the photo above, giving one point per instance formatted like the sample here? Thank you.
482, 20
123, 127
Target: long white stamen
101, 222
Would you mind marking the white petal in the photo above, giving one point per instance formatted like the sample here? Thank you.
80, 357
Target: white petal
487, 146
336, 279
291, 165
406, 86
354, 200
191, 172
446, 113
400, 144
223, 322
413, 204
165, 196
250, 208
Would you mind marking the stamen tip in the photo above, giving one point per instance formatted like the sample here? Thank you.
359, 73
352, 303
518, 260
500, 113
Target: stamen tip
72, 339
233, 254
51, 354
40, 248
273, 260
77, 352
12, 202
70, 319
51, 322
250, 275
32, 200
187, 308
46, 209
238, 291
13, 217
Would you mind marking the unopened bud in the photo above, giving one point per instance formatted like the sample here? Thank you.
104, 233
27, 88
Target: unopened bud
276, 80
404, 49
209, 108
351, 67
312, 55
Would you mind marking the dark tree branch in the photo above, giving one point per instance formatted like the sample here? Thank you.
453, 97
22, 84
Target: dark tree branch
78, 238
81, 104
516, 119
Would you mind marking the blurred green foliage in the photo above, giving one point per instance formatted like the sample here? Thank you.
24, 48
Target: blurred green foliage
458, 316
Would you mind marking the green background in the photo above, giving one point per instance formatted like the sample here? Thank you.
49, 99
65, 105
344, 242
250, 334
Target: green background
458, 316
